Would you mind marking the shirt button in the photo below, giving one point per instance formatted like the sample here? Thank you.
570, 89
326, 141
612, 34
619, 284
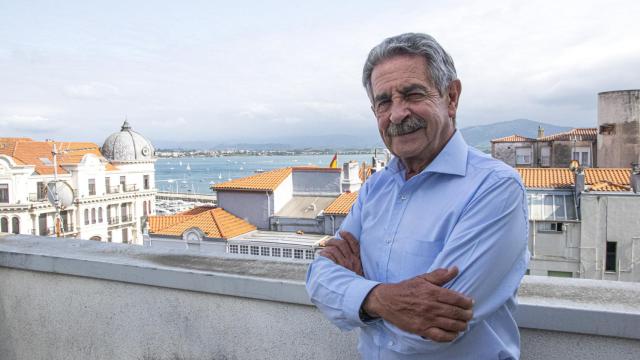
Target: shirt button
403, 197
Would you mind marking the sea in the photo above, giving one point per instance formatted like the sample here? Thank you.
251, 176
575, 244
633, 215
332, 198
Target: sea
196, 175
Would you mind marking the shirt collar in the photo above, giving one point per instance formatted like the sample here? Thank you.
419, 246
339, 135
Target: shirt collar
451, 160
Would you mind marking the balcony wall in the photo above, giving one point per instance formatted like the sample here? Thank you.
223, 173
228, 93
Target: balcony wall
75, 299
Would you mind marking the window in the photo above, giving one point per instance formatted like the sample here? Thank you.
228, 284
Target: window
4, 193
275, 252
523, 156
565, 274
93, 216
233, 249
144, 208
123, 181
4, 225
612, 258
583, 155
145, 182
607, 129
15, 225
86, 216
551, 227
125, 236
109, 236
41, 191
92, 186
309, 254
255, 250
107, 184
100, 215
264, 251
42, 224
244, 249
286, 253
545, 156
551, 206
297, 253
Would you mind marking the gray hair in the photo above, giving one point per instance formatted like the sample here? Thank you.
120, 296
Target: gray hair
439, 63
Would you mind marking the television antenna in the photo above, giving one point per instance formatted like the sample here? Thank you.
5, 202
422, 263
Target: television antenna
59, 193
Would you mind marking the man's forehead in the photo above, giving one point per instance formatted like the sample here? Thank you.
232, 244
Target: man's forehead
400, 70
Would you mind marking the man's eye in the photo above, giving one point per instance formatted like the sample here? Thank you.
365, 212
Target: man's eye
415, 96
383, 105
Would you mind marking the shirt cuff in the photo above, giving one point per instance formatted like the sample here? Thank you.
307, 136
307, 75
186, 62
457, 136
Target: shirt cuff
354, 297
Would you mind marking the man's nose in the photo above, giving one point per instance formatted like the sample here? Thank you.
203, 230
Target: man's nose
399, 111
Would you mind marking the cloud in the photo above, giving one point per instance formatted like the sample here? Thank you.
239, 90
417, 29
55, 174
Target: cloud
92, 91
27, 123
169, 123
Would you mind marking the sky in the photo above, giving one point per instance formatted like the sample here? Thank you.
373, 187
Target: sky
251, 71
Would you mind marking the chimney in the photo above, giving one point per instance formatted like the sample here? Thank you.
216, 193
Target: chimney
579, 187
634, 181
351, 177
540, 132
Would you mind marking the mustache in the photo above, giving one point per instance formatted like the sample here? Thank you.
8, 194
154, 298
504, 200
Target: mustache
407, 126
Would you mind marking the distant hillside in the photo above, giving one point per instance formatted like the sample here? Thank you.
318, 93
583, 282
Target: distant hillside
481, 135
476, 136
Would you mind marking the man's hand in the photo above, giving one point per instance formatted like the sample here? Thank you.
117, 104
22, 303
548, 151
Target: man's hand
345, 252
421, 305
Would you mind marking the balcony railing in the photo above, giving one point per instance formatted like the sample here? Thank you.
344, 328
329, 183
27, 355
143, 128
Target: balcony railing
131, 187
127, 218
113, 220
113, 189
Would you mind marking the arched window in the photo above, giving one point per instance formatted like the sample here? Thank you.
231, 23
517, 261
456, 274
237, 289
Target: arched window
4, 225
100, 215
86, 216
93, 215
144, 208
149, 205
15, 225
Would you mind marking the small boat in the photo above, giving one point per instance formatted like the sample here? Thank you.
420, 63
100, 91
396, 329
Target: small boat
188, 167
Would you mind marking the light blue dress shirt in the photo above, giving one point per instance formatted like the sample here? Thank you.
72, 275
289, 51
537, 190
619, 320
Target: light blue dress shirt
464, 209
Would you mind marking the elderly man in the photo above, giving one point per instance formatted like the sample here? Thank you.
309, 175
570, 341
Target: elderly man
428, 261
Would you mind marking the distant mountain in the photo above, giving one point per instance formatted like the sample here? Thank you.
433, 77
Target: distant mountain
480, 136
476, 136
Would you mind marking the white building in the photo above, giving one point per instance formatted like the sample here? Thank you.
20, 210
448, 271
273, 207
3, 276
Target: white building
113, 186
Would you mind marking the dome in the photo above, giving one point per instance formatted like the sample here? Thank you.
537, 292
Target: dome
127, 145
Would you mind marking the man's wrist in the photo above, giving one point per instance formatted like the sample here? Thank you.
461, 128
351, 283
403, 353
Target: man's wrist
371, 304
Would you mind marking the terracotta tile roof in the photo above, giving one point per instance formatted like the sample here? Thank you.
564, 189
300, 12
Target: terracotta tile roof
581, 134
512, 138
546, 178
215, 223
596, 179
38, 153
342, 204
266, 181
196, 210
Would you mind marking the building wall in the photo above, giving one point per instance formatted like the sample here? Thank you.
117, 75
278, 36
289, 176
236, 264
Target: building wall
610, 217
332, 223
622, 147
281, 195
562, 152
554, 250
505, 152
255, 207
309, 182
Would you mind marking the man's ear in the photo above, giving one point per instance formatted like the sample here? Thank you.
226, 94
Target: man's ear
455, 87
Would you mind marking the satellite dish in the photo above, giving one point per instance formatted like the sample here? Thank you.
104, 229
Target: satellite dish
62, 191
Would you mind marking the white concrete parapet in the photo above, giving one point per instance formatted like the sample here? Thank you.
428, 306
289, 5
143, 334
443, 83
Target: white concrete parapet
78, 299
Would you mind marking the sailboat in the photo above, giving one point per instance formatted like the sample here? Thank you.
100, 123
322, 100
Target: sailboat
188, 167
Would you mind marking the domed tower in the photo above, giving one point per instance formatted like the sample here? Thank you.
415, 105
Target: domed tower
128, 146
133, 179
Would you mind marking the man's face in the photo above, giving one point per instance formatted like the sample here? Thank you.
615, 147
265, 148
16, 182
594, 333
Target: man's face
413, 119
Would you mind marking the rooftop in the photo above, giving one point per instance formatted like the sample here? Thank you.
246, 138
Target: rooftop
39, 153
342, 204
214, 222
580, 134
513, 138
279, 237
305, 207
596, 179
266, 181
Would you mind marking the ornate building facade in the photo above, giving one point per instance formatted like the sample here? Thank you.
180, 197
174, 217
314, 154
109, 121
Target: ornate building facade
112, 187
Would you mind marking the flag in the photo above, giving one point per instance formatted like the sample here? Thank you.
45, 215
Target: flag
334, 162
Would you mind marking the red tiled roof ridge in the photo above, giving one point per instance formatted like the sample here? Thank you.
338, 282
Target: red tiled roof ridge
513, 138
